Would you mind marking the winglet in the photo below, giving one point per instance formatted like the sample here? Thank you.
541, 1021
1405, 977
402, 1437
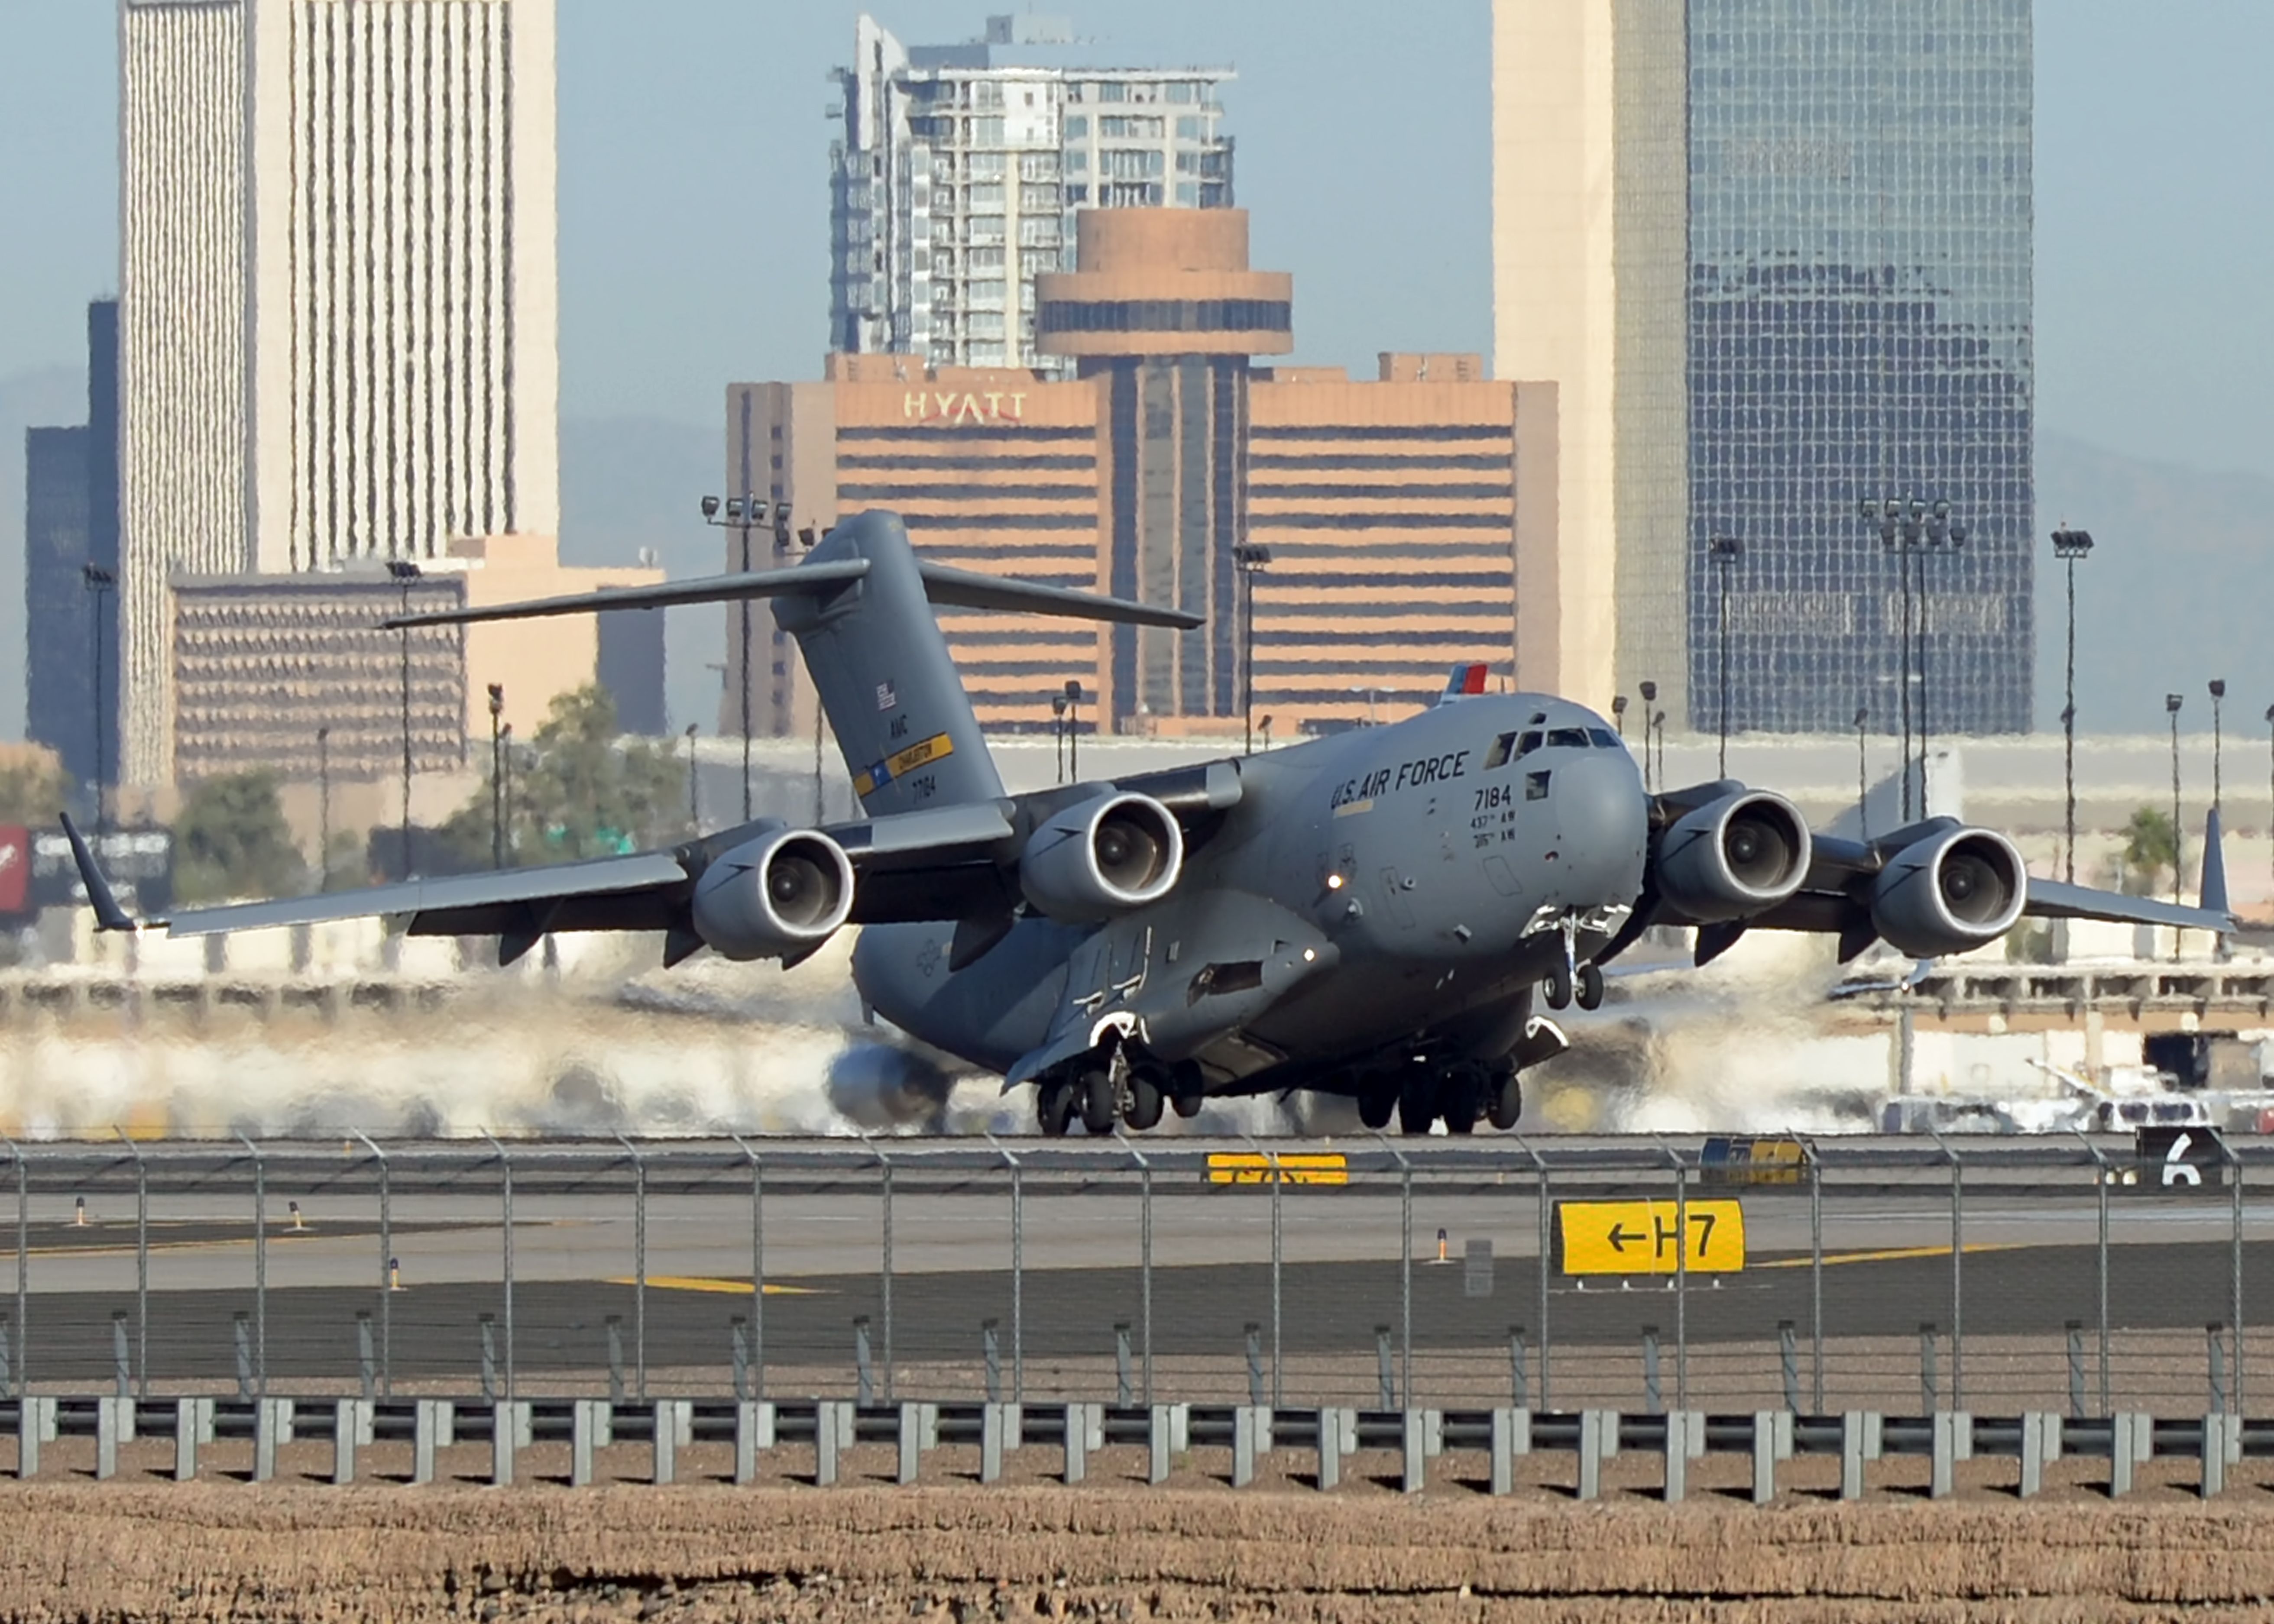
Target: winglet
2213, 897
108, 915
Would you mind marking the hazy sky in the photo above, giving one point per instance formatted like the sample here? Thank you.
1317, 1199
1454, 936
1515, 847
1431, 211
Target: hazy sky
693, 229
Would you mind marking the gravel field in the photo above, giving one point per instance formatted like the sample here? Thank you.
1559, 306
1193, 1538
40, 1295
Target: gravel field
1110, 1551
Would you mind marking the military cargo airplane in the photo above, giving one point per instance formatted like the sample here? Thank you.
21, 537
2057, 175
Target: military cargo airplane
1380, 914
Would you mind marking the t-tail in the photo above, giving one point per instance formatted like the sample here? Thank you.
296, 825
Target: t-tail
860, 605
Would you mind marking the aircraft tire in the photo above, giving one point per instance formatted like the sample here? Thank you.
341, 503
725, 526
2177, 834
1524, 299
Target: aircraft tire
1144, 1107
1505, 1104
1590, 992
1096, 1092
1376, 1105
1186, 1106
1187, 1091
1417, 1105
1555, 989
1054, 1106
1460, 1095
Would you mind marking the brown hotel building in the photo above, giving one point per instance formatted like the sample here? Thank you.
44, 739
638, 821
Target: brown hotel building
1401, 513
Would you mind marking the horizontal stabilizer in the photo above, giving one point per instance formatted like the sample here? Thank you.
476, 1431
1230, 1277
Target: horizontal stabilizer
966, 589
805, 578
2051, 900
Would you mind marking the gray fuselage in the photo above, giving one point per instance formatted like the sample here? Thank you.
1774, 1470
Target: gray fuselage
1388, 887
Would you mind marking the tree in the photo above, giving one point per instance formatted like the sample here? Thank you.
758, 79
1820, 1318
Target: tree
2151, 846
577, 792
33, 788
231, 840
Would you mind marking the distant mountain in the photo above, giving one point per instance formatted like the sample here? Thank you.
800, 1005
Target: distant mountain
50, 397
628, 483
2179, 589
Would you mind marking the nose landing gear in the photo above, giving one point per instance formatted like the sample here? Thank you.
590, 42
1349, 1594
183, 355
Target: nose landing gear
1564, 986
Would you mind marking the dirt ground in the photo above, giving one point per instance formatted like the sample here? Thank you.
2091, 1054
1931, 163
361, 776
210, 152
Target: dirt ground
1114, 1550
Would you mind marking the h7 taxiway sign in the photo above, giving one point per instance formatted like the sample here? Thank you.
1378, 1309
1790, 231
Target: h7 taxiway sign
1638, 1238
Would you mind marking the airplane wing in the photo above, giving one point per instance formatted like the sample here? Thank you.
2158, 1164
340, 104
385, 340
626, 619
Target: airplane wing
1896, 887
950, 863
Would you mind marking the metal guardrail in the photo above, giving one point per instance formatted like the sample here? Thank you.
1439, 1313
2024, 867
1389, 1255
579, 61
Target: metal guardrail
823, 1430
2130, 1319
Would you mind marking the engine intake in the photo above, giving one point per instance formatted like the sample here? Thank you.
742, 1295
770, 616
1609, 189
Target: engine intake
1950, 892
1733, 858
780, 894
1101, 857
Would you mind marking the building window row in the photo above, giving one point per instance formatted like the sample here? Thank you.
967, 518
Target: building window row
1166, 316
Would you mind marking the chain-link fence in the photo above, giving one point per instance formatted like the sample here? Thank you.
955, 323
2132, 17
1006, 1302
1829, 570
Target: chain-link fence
1902, 1275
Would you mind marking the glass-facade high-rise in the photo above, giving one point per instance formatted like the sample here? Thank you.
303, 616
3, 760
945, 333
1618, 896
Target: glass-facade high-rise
1859, 326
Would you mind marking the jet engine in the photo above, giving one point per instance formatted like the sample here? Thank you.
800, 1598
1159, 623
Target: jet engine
1733, 858
1949, 893
1101, 857
781, 894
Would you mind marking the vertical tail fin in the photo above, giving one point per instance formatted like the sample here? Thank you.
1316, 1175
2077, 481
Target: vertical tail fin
2212, 898
885, 676
883, 672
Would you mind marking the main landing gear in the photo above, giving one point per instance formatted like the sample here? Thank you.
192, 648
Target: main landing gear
1101, 1089
1460, 1093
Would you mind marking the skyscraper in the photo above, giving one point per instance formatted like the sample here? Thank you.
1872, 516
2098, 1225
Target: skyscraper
961, 168
70, 513
1808, 227
338, 295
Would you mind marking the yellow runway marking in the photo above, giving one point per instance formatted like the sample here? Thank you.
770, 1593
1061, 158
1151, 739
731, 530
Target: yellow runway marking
729, 1288
1895, 1254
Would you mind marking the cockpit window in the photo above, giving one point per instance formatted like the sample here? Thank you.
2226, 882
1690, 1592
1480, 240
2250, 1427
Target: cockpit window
1502, 747
1604, 738
1568, 738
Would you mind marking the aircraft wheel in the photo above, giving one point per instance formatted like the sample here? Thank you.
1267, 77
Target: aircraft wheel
1187, 1092
1097, 1093
1555, 988
1505, 1103
1417, 1104
1054, 1106
1376, 1105
1590, 994
1144, 1107
1186, 1106
1459, 1097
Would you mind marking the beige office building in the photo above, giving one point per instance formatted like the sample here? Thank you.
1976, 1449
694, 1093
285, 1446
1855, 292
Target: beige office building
338, 299
1589, 210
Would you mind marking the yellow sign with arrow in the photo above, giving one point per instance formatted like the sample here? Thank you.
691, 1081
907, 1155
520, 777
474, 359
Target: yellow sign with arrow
1639, 1237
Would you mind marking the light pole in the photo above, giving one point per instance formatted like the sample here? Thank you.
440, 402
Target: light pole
323, 809
1863, 778
1249, 557
2068, 546
1658, 721
1910, 528
2172, 709
1057, 730
1073, 729
694, 806
505, 745
497, 777
1264, 727
1724, 552
2217, 739
744, 513
1619, 713
1649, 698
1368, 695
100, 583
404, 573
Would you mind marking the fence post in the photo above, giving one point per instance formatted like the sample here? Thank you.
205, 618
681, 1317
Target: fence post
23, 1360
885, 1305
2100, 1173
757, 1272
505, 1207
1145, 1263
1278, 1395
386, 1266
1680, 1282
639, 1268
2234, 1303
1540, 1172
1815, 1274
260, 1271
141, 1264
1018, 1279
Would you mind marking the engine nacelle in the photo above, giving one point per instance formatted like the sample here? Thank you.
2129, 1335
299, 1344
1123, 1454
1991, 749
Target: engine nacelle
780, 894
1101, 857
1733, 858
1949, 893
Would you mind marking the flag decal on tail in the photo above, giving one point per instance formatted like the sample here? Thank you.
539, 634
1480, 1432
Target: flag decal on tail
1464, 680
921, 754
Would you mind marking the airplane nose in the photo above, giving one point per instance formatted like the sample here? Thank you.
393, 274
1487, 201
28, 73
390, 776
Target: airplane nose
1603, 822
